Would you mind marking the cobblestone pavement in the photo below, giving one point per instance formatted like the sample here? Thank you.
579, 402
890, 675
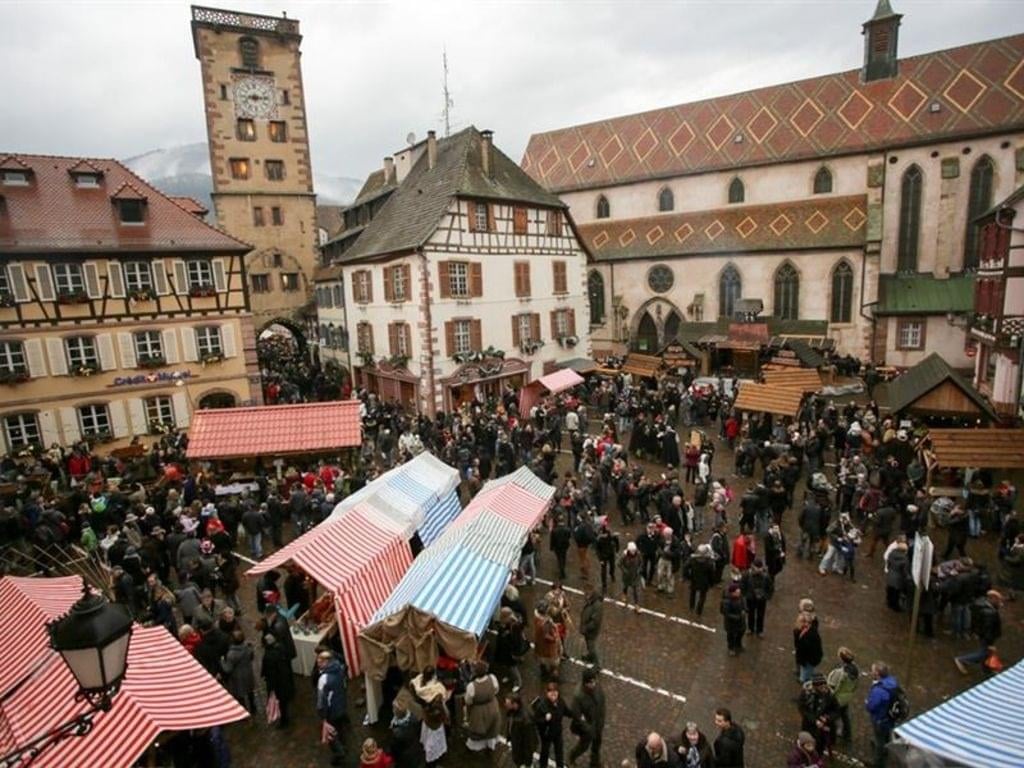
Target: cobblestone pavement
666, 666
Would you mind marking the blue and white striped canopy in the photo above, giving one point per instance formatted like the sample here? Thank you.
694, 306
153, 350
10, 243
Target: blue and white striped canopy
461, 589
437, 517
983, 727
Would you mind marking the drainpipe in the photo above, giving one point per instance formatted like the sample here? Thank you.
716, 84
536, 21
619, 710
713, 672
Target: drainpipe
871, 317
426, 299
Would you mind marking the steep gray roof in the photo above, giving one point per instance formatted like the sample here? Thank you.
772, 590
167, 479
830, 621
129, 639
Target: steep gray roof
414, 210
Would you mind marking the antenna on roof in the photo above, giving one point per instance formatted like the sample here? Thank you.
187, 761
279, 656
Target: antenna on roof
448, 102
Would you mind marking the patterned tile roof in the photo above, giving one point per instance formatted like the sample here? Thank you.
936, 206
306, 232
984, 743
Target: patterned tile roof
822, 223
978, 88
51, 214
229, 433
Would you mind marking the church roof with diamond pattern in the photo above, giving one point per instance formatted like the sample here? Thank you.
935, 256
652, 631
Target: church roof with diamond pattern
979, 88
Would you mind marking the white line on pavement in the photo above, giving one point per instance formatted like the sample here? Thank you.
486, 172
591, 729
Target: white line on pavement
648, 611
632, 681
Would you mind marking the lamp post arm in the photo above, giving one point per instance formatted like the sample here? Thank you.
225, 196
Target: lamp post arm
79, 725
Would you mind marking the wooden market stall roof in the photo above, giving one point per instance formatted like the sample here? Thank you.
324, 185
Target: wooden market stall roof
985, 448
783, 401
802, 379
274, 430
641, 365
932, 387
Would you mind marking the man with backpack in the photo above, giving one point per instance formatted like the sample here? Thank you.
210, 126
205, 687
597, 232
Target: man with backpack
987, 626
887, 705
843, 680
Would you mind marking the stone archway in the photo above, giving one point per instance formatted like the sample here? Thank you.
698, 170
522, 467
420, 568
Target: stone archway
655, 323
217, 398
647, 334
288, 327
673, 322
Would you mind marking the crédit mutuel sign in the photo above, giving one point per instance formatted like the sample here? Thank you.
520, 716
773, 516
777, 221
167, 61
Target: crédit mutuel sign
156, 377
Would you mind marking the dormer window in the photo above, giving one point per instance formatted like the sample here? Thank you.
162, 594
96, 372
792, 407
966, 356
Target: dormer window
14, 178
86, 180
131, 211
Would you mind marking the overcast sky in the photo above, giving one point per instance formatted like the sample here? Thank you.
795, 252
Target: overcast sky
120, 78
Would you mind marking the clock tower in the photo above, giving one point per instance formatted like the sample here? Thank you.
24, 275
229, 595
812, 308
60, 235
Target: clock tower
259, 154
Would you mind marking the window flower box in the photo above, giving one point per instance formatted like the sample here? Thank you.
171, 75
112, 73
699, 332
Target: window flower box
100, 437
208, 358
568, 341
86, 369
160, 428
72, 297
399, 361
530, 346
365, 359
6, 299
142, 294
11, 376
156, 361
202, 291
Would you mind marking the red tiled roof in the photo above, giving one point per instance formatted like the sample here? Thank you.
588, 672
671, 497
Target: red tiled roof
818, 223
191, 205
979, 89
274, 430
51, 214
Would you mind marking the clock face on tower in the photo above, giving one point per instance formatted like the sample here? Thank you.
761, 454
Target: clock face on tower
255, 97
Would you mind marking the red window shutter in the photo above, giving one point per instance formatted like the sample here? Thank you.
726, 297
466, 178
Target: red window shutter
407, 331
554, 324
559, 277
471, 214
519, 219
522, 275
535, 326
407, 272
572, 321
449, 337
515, 331
476, 279
444, 284
393, 338
490, 217
528, 291
389, 287
476, 342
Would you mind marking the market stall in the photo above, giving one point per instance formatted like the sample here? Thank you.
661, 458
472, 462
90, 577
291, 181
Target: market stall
991, 448
552, 384
644, 366
418, 497
979, 728
246, 434
446, 600
357, 559
805, 380
936, 393
39, 690
764, 398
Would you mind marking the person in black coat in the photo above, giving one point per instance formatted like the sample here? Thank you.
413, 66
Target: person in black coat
648, 543
729, 744
758, 587
276, 670
548, 712
733, 615
561, 538
700, 569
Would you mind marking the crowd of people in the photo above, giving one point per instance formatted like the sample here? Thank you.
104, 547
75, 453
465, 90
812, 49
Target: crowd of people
168, 532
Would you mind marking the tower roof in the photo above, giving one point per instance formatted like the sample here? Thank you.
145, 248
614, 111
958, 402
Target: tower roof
883, 11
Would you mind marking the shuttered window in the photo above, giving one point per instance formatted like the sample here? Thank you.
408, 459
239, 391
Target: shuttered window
519, 220
559, 277
522, 278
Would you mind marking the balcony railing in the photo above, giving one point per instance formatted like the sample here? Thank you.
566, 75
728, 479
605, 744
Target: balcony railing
255, 21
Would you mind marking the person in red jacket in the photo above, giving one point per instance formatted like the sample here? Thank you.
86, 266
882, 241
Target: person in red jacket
372, 756
743, 551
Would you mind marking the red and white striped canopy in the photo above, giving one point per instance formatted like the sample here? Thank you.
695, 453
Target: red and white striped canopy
164, 688
355, 558
508, 501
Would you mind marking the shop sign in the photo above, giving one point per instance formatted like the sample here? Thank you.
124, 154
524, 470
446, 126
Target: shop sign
156, 377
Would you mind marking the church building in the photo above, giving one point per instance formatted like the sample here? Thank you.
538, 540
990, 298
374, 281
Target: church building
843, 206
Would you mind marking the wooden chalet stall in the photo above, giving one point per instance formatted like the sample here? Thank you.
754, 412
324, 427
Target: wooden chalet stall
764, 398
642, 366
804, 380
683, 354
987, 448
935, 393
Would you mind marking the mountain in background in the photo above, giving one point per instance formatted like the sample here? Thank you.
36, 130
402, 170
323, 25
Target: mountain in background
185, 171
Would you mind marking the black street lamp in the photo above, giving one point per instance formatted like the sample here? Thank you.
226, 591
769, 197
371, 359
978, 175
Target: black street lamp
92, 638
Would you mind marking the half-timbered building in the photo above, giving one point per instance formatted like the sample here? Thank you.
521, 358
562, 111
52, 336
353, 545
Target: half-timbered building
120, 310
467, 278
844, 203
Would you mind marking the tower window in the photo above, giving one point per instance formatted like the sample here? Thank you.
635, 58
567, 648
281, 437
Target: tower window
223, 92
274, 169
276, 217
250, 52
278, 131
246, 129
257, 216
286, 97
239, 167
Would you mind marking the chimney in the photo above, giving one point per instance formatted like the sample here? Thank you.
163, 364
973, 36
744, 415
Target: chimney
486, 158
431, 150
389, 170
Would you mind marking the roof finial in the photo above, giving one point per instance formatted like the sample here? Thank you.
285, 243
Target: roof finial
883, 10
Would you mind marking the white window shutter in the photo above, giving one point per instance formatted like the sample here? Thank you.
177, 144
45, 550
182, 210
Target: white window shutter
182, 414
44, 283
115, 279
160, 277
180, 277
19, 286
48, 431
92, 281
169, 341
220, 276
118, 418
227, 340
190, 349
58, 357
36, 358
126, 341
137, 416
105, 350
69, 425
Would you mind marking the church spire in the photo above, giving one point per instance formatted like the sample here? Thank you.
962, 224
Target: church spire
881, 33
